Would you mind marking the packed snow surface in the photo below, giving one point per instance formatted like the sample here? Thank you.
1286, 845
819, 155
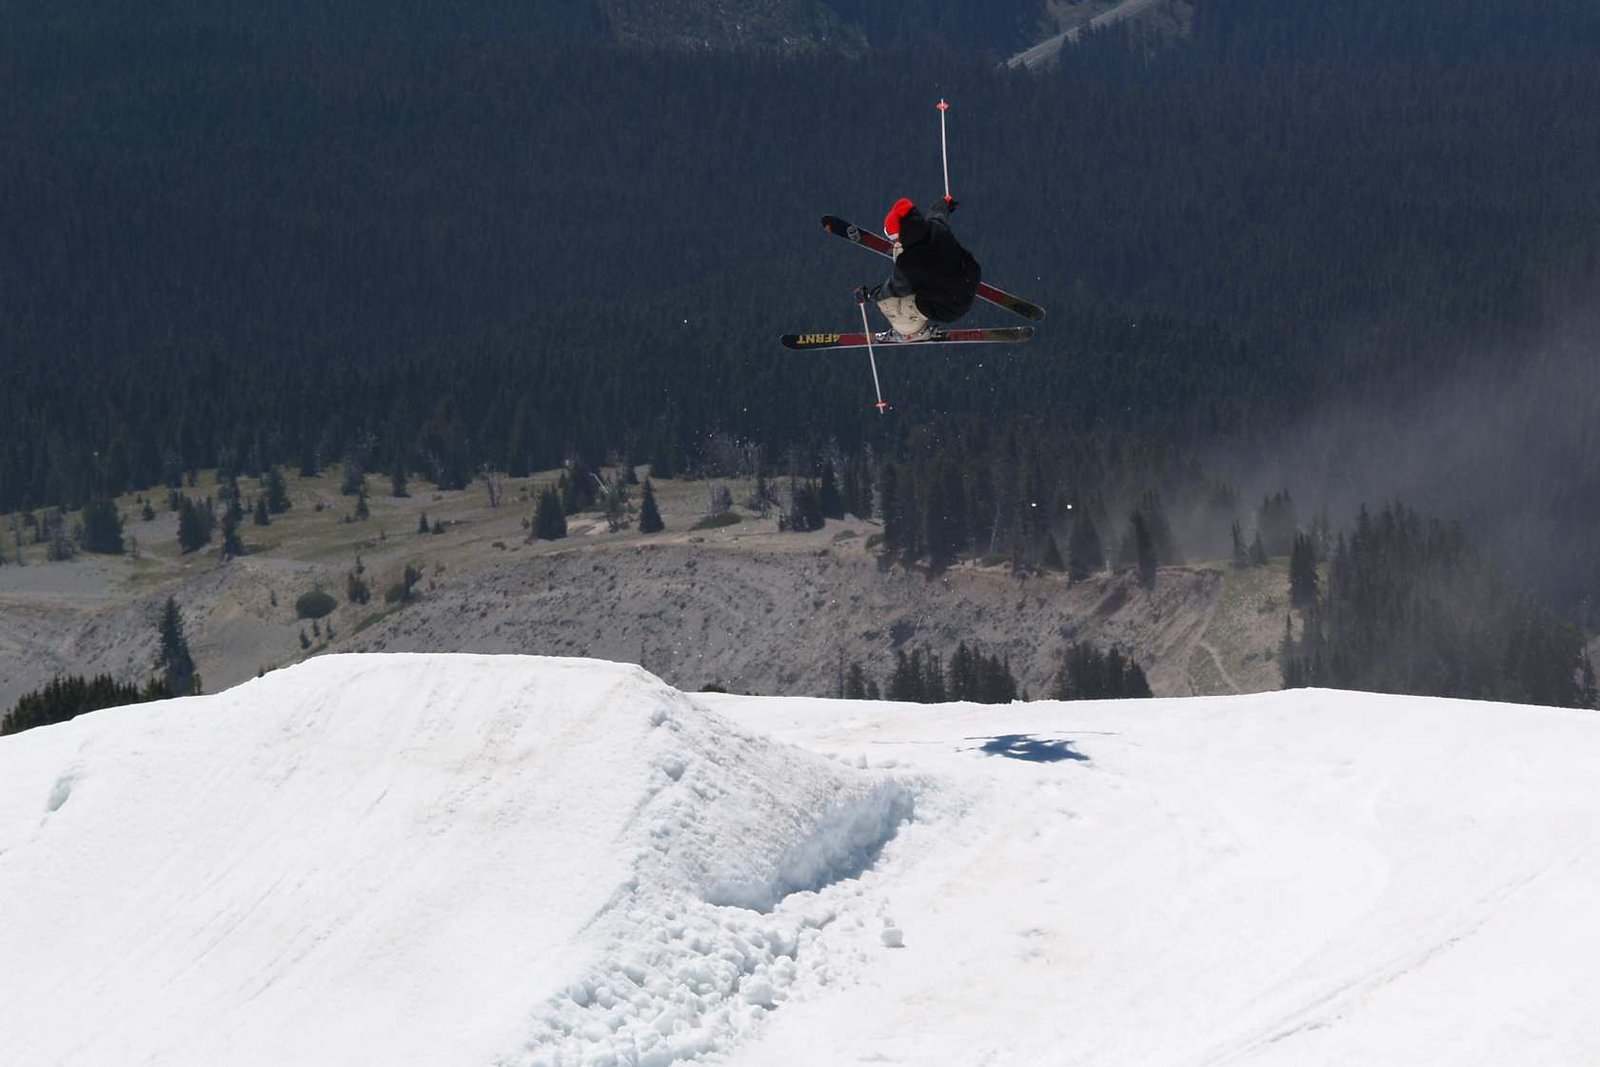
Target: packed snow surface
521, 861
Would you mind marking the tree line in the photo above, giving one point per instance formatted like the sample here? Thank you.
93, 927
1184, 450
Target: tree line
537, 246
920, 676
1412, 606
66, 697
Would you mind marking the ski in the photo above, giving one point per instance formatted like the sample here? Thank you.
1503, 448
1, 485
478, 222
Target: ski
807, 342
876, 242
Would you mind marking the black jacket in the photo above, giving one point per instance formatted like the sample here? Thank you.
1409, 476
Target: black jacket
932, 265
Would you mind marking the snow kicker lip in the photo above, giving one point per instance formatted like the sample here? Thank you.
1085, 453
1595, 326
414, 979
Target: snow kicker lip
746, 849
844, 842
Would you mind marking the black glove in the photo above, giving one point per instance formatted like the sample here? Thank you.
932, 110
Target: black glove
865, 293
951, 203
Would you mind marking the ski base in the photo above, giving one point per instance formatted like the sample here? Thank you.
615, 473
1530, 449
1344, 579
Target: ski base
807, 342
877, 243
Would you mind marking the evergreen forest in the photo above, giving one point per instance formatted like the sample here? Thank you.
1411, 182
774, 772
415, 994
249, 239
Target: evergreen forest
1347, 248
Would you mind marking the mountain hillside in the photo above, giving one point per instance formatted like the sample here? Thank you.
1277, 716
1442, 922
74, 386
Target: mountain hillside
788, 26
747, 606
844, 27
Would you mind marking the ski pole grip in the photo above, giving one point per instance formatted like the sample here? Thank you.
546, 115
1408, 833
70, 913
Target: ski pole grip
944, 146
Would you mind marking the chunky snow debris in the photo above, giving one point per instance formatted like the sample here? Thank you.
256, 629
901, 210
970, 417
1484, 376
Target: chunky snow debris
740, 843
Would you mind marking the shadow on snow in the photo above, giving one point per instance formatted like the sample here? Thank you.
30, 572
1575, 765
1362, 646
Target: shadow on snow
1030, 748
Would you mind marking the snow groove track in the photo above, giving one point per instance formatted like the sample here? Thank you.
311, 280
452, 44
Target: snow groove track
1287, 879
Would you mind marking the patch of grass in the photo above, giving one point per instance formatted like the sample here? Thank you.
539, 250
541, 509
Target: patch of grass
375, 617
712, 522
1245, 627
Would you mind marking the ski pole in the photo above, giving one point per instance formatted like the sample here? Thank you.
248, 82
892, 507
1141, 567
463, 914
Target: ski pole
944, 147
866, 328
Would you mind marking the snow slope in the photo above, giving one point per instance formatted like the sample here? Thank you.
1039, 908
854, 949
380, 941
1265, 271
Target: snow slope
1297, 878
409, 860
518, 861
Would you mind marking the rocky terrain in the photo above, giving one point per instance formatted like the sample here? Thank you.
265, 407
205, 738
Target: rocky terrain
742, 606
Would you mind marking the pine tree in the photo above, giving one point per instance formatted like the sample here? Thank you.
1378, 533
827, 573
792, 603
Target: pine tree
1085, 555
102, 527
1145, 551
1277, 522
1134, 683
263, 515
997, 685
1258, 551
231, 544
937, 535
853, 490
1294, 675
59, 544
1088, 674
855, 683
277, 492
614, 502
397, 479
1162, 541
229, 492
649, 515
829, 499
354, 476
194, 528
1302, 572
805, 509
174, 664
897, 496
905, 683
66, 698
549, 520
980, 678
932, 679
964, 681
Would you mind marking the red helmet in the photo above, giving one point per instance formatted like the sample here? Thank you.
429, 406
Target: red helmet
891, 221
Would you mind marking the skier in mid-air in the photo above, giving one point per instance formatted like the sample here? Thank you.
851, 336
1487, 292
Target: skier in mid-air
934, 279
934, 283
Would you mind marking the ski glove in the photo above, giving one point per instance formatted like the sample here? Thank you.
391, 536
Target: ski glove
866, 292
951, 203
